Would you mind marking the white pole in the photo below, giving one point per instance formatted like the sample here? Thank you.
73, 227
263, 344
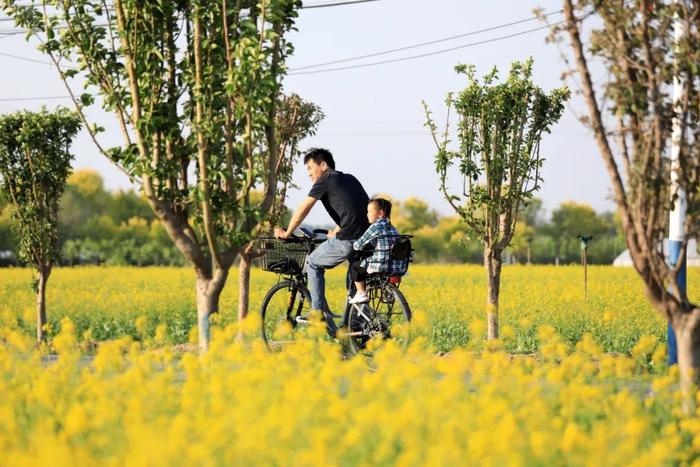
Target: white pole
676, 230
677, 216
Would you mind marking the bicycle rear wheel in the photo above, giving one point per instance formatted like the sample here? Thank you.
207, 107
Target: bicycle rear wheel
281, 306
387, 316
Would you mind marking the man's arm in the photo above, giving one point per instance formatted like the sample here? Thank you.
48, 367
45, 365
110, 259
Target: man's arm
297, 218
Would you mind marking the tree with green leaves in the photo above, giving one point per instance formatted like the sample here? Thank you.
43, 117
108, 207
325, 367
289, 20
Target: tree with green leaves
193, 86
296, 119
34, 165
413, 214
570, 220
500, 126
634, 118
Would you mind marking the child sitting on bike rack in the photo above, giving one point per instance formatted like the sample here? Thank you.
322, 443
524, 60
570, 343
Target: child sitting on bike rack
380, 235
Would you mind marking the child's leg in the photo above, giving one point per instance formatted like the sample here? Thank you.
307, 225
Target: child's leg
358, 275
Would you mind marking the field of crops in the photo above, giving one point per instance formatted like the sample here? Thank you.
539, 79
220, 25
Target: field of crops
572, 381
107, 303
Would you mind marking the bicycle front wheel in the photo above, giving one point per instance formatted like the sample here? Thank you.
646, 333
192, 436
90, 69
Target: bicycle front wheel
387, 316
280, 308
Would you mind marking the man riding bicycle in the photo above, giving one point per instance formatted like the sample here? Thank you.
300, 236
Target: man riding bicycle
345, 201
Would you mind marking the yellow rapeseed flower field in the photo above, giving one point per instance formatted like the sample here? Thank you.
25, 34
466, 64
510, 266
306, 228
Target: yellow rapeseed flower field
571, 382
107, 303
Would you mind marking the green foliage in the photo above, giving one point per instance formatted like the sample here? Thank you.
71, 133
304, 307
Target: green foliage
447, 241
85, 198
571, 219
413, 214
112, 230
194, 87
500, 128
532, 213
296, 119
119, 228
34, 165
8, 240
427, 245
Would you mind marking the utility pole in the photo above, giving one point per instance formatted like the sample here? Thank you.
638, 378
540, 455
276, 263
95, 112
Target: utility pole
584, 259
676, 230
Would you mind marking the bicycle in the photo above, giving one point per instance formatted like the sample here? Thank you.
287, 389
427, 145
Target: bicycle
286, 308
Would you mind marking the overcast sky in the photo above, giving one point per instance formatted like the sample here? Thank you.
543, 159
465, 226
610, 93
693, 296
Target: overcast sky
374, 117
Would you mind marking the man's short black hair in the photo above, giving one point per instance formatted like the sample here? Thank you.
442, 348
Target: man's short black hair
319, 155
383, 205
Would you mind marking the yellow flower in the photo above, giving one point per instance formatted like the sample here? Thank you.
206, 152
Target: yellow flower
644, 347
450, 398
141, 322
477, 328
161, 334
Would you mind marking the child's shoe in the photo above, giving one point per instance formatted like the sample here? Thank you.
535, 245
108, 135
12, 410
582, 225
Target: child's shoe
360, 297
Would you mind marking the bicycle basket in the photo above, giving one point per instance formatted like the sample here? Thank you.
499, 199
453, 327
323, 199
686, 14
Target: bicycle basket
281, 257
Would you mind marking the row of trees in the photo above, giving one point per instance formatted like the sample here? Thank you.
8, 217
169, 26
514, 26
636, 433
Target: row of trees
445, 239
100, 227
97, 226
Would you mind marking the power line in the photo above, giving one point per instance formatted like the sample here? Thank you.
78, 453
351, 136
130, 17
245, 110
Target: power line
56, 28
303, 7
412, 57
326, 5
45, 98
428, 54
297, 71
381, 62
423, 44
26, 59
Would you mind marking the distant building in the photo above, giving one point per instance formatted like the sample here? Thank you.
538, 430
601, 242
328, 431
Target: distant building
693, 258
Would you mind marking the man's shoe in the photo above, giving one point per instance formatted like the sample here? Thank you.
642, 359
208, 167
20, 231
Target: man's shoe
331, 329
314, 316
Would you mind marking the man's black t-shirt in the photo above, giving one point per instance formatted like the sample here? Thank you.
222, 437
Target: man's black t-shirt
346, 202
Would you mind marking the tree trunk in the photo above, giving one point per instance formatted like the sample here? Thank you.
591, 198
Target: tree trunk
208, 291
41, 303
493, 263
687, 328
529, 255
244, 285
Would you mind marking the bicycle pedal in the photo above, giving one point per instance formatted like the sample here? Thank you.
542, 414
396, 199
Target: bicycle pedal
301, 319
333, 315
